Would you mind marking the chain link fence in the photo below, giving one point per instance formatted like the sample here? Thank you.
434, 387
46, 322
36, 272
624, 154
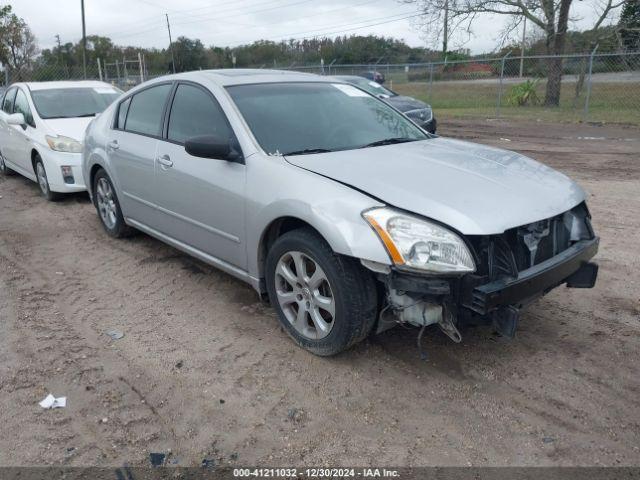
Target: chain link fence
585, 87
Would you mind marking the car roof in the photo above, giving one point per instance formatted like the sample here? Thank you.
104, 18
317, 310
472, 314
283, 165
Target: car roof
244, 76
66, 84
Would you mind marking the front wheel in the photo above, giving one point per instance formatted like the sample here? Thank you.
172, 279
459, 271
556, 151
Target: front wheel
4, 170
43, 182
326, 302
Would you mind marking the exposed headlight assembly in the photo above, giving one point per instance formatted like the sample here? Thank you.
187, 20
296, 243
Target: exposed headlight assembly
63, 144
414, 243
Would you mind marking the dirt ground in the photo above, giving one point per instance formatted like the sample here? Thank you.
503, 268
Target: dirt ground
205, 372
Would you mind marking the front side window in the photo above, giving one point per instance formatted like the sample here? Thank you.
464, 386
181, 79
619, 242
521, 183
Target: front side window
73, 102
195, 113
7, 103
309, 117
146, 109
21, 105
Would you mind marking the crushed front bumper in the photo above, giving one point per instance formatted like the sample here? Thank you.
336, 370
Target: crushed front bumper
571, 266
476, 299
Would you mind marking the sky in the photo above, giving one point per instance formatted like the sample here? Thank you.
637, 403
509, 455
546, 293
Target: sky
235, 22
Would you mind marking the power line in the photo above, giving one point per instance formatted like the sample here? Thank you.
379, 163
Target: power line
292, 36
225, 18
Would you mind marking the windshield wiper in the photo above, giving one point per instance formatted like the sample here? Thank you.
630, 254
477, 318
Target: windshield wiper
308, 151
389, 141
70, 116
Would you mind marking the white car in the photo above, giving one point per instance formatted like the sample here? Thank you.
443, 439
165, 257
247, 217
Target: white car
42, 125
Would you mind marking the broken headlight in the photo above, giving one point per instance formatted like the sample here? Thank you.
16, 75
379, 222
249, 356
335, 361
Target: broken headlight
415, 243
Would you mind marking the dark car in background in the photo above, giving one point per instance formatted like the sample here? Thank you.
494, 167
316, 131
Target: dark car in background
374, 76
416, 110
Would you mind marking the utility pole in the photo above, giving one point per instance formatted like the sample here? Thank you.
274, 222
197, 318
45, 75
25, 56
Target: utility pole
84, 41
445, 39
173, 60
524, 36
59, 47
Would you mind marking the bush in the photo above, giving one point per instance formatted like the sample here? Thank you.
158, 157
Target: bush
524, 94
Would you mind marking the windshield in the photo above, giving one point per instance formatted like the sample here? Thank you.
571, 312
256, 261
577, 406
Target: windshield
370, 86
288, 118
73, 102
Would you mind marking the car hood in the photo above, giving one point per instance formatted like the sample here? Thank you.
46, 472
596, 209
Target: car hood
405, 104
69, 127
476, 189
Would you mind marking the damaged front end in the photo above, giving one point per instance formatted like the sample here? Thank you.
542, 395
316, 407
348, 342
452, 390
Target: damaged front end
511, 270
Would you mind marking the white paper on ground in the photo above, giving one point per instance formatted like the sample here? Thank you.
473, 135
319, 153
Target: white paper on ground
52, 402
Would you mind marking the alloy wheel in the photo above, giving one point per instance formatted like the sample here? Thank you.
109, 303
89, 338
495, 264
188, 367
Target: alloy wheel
42, 178
3, 166
305, 295
106, 203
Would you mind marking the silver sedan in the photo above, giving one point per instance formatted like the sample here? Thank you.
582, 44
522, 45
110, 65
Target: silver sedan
335, 205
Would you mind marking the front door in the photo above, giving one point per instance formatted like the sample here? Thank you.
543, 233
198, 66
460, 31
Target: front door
200, 200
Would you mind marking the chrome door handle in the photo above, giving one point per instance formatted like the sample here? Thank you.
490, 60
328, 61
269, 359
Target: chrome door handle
113, 145
165, 161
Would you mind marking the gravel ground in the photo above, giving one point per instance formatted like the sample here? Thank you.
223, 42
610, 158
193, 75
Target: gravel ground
204, 371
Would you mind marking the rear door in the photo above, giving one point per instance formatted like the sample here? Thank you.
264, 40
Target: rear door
200, 200
132, 150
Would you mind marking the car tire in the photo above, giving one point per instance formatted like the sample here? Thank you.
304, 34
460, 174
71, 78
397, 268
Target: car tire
4, 170
346, 283
108, 207
43, 181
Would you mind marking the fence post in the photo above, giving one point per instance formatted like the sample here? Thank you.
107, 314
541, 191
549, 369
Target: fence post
140, 65
586, 100
500, 85
430, 80
99, 68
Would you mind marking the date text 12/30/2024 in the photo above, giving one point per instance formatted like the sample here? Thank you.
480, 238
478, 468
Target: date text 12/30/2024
315, 472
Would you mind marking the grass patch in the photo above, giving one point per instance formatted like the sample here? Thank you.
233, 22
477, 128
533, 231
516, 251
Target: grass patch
609, 102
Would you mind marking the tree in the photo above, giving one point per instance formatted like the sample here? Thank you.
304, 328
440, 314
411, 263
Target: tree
189, 54
629, 25
552, 16
17, 43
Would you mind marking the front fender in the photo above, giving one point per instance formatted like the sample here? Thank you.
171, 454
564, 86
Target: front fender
331, 208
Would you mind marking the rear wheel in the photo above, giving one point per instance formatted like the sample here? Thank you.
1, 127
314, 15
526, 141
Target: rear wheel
108, 207
43, 182
4, 170
326, 302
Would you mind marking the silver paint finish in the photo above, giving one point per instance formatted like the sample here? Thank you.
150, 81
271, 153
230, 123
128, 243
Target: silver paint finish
220, 211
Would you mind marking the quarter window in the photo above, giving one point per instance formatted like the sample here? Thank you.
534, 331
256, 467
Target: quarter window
194, 112
145, 110
7, 103
122, 113
22, 106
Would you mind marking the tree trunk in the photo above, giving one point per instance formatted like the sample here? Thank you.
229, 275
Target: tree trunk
556, 39
554, 82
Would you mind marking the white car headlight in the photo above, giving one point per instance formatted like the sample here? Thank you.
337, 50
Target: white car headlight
415, 243
63, 144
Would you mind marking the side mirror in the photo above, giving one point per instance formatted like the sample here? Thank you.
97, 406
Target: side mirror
212, 146
16, 119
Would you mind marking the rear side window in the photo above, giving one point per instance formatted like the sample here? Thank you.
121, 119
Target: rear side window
194, 112
21, 105
7, 103
145, 110
122, 113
